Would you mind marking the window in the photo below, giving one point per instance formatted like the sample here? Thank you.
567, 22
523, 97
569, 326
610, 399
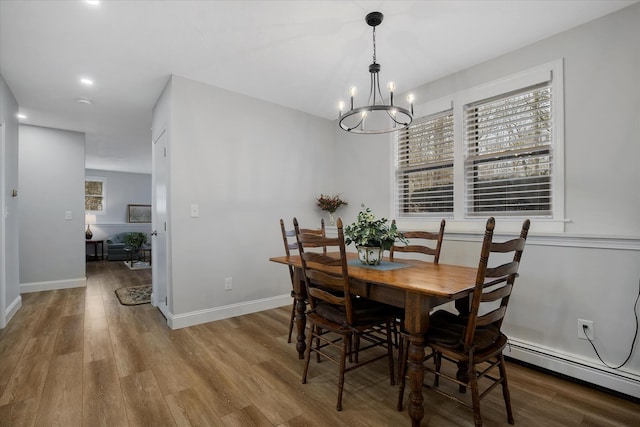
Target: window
95, 190
508, 160
424, 172
492, 150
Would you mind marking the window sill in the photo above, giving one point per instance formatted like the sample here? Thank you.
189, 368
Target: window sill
543, 232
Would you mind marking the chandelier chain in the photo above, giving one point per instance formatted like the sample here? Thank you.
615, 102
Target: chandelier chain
374, 45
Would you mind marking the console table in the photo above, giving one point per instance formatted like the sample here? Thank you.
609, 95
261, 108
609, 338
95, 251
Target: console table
95, 244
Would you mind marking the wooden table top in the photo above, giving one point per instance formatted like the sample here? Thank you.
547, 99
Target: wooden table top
440, 280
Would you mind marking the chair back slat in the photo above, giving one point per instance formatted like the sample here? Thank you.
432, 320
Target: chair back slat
503, 270
508, 246
494, 284
423, 242
416, 248
327, 296
325, 273
319, 258
491, 317
289, 237
327, 279
291, 243
494, 295
313, 240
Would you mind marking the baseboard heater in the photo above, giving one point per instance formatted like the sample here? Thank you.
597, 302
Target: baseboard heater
620, 383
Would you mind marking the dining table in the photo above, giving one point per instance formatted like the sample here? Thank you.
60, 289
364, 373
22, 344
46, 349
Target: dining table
414, 285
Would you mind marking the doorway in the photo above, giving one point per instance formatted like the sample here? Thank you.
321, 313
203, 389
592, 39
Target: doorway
160, 274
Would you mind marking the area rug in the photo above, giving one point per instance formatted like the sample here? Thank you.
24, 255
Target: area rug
134, 295
137, 265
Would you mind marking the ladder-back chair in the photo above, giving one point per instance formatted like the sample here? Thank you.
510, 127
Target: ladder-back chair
291, 244
334, 315
474, 340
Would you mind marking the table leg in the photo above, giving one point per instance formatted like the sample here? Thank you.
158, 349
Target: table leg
301, 309
416, 379
416, 323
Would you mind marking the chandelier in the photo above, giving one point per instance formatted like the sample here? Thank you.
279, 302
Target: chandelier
376, 116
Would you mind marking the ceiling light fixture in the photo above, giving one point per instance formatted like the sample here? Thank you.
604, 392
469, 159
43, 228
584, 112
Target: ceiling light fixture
93, 2
87, 82
21, 116
376, 116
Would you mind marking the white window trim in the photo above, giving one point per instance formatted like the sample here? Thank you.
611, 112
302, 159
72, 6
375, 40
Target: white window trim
104, 194
459, 223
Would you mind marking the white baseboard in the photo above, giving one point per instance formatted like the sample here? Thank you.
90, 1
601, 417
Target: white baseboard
52, 285
625, 382
12, 309
177, 321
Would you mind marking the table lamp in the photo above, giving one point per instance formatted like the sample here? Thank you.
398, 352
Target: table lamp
89, 219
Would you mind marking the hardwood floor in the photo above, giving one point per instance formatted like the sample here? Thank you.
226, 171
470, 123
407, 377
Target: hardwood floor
77, 357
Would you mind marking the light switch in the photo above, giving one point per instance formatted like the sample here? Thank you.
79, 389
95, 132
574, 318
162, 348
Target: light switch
195, 211
68, 216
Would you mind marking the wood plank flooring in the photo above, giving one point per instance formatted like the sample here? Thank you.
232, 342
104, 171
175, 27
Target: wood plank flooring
76, 357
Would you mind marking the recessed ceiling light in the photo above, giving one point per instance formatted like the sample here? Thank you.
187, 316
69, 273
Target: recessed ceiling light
86, 81
21, 116
93, 2
83, 101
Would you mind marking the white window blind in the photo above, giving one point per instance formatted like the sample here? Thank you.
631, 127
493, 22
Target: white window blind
508, 161
424, 169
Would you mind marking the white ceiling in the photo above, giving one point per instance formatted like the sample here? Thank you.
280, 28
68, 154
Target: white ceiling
300, 54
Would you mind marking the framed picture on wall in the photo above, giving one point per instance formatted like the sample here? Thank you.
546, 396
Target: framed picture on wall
139, 213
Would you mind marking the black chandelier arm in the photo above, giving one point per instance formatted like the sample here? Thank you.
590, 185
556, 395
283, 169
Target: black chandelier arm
357, 128
374, 87
399, 110
350, 129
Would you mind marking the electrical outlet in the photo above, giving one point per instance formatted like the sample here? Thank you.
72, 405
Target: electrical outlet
588, 330
228, 284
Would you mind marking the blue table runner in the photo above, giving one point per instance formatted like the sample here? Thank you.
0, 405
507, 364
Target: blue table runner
384, 265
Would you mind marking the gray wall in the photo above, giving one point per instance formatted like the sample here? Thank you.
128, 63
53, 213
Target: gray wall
591, 271
51, 185
246, 163
123, 189
10, 300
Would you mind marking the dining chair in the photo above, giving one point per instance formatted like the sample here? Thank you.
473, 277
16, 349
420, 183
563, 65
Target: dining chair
291, 244
423, 242
334, 315
419, 242
474, 340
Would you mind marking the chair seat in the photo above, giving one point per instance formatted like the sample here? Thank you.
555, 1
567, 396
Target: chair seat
365, 312
441, 318
480, 353
452, 336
